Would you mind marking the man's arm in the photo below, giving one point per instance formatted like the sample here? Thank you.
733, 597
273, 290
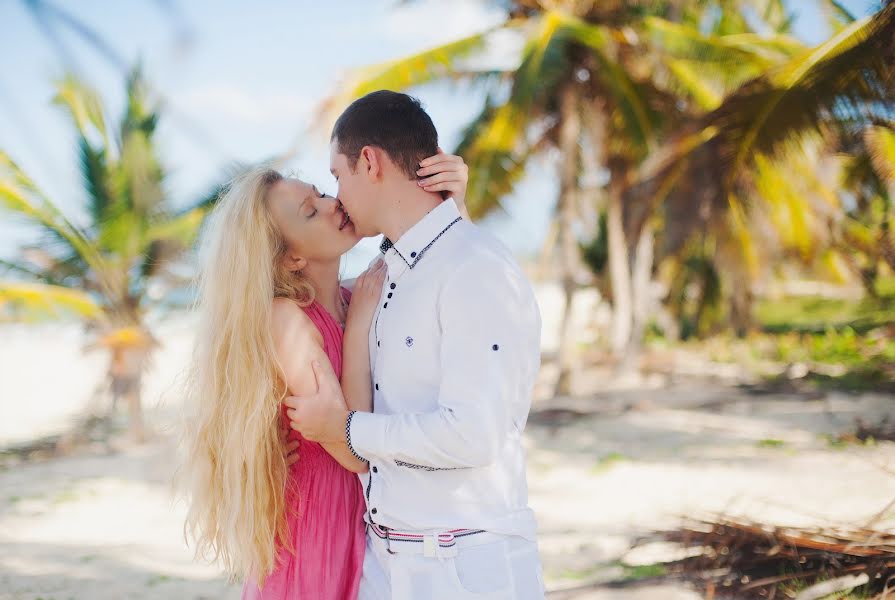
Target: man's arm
484, 352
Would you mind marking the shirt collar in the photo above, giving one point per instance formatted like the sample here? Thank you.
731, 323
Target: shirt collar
418, 239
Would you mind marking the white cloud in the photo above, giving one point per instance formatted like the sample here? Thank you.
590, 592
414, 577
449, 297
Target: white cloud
434, 22
232, 103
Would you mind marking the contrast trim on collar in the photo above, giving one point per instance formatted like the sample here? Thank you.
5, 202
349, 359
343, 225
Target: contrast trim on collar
418, 239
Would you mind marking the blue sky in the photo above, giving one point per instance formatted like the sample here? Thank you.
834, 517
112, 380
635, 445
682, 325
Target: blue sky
240, 81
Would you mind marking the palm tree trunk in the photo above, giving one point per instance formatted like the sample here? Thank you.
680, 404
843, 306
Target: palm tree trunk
741, 308
641, 300
619, 270
569, 252
126, 374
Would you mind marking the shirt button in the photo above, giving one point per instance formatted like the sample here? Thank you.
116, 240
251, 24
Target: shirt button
393, 286
377, 343
377, 386
375, 470
389, 294
373, 511
413, 255
385, 305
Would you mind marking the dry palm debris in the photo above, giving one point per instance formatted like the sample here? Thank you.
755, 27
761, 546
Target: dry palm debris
730, 558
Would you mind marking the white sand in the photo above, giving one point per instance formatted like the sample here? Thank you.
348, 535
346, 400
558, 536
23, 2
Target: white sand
104, 526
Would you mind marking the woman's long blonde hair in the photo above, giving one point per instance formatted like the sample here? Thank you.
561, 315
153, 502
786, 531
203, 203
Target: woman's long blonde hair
234, 469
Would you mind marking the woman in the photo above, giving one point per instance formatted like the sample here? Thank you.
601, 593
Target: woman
270, 303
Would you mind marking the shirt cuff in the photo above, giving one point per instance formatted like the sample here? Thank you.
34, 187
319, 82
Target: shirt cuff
348, 437
366, 434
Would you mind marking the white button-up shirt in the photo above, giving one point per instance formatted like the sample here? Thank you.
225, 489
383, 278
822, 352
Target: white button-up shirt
454, 350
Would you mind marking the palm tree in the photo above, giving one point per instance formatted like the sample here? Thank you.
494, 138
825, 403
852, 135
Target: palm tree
752, 154
110, 270
868, 229
598, 84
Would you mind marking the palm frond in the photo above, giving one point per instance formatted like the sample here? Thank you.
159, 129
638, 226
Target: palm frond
788, 210
29, 271
493, 146
624, 91
732, 51
423, 67
94, 172
691, 83
182, 229
83, 105
19, 195
880, 141
31, 300
851, 76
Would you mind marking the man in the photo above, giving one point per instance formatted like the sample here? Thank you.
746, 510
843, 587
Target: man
454, 352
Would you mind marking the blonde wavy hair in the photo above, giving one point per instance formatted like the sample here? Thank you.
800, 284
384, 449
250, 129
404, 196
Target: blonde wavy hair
234, 471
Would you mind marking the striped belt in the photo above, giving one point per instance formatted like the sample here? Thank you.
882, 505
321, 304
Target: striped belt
442, 544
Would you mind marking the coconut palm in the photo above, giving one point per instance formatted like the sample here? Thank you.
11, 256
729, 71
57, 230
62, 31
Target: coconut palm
597, 85
111, 268
757, 154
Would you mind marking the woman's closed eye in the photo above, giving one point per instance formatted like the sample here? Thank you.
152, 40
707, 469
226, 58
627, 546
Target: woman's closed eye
319, 195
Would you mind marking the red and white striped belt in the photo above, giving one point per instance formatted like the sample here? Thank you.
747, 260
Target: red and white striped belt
443, 544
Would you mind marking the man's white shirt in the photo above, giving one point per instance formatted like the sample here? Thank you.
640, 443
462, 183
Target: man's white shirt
454, 352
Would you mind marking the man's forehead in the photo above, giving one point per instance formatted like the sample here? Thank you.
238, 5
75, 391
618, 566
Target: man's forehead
336, 158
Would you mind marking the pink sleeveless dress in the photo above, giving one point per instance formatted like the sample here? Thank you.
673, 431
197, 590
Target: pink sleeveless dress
325, 508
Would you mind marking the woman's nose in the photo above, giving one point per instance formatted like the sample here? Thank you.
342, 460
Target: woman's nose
328, 205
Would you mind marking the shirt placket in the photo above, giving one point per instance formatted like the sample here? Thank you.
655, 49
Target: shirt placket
396, 269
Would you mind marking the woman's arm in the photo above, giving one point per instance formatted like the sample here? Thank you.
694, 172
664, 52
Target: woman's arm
298, 342
357, 385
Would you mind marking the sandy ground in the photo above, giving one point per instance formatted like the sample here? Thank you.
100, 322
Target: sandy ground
604, 468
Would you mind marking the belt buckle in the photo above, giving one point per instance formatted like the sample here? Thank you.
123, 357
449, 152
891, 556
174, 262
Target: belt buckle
388, 541
430, 545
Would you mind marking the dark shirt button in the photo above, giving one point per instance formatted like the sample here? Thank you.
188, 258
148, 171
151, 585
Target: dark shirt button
413, 255
389, 294
495, 347
393, 286
385, 305
375, 470
377, 386
373, 511
378, 344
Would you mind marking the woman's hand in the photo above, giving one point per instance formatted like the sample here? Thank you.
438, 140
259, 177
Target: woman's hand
365, 296
445, 173
291, 446
292, 452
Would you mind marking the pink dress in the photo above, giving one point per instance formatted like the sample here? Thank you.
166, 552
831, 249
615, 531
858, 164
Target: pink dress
325, 507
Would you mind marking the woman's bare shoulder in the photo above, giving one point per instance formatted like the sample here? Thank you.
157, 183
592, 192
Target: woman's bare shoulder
290, 322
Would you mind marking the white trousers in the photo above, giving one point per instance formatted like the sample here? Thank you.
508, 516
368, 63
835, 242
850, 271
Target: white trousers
506, 569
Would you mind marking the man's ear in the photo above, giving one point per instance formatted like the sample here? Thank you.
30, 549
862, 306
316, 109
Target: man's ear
372, 162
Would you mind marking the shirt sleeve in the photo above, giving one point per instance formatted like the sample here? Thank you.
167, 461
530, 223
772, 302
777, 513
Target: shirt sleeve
488, 318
